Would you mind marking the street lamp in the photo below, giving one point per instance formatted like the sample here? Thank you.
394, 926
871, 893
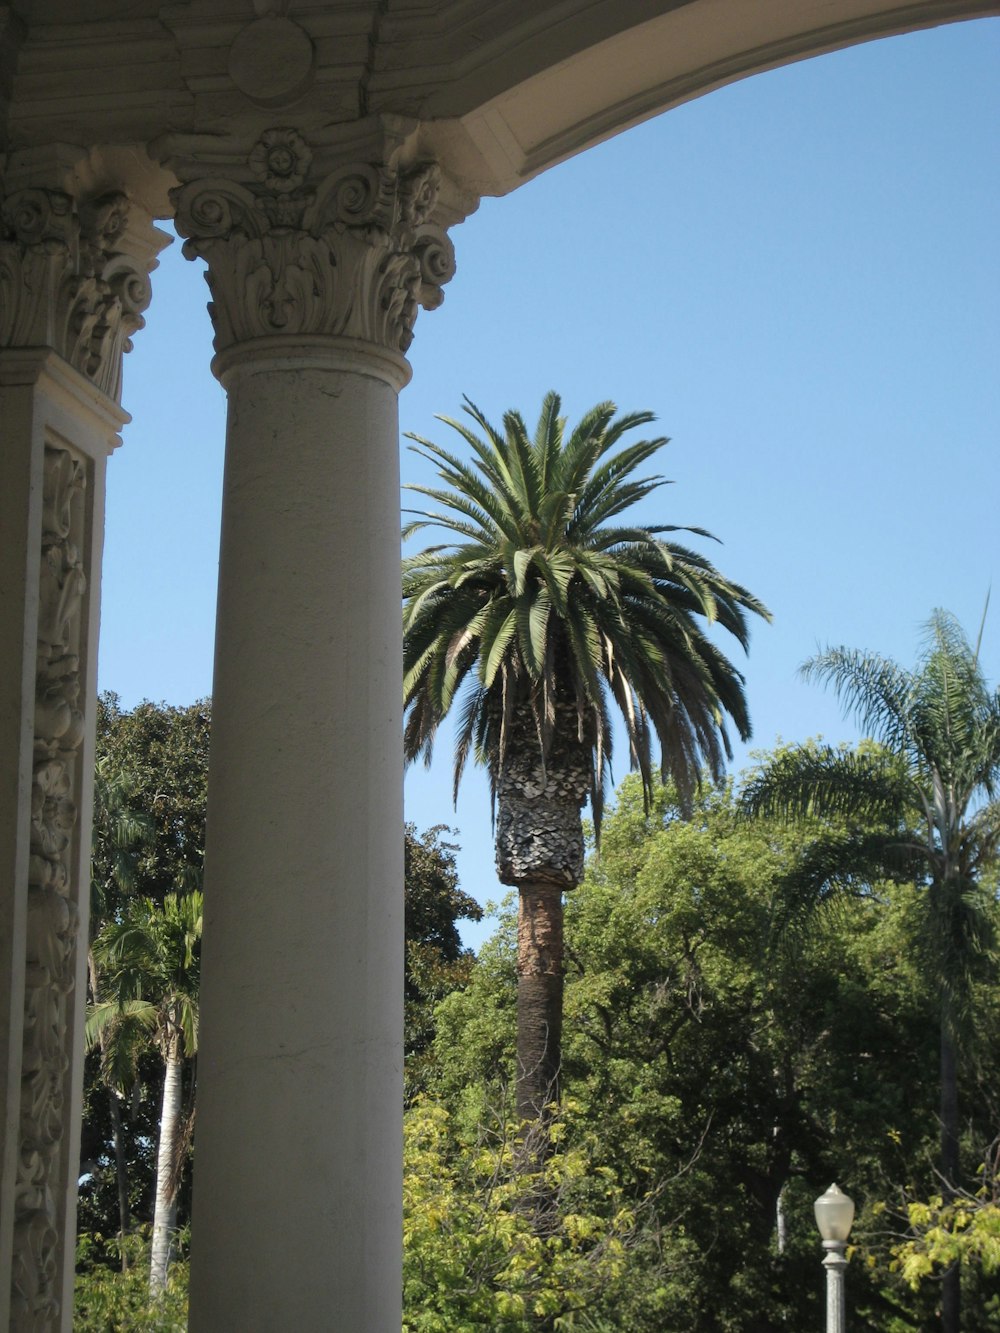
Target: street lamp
834, 1215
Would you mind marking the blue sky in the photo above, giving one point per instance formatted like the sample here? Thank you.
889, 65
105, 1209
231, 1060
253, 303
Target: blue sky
798, 274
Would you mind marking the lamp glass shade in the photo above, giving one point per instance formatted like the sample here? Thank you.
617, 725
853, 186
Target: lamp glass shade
834, 1214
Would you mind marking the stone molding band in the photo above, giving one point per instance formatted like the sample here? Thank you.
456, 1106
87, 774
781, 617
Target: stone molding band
73, 392
312, 352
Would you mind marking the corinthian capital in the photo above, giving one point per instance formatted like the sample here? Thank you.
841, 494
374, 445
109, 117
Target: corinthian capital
74, 276
299, 245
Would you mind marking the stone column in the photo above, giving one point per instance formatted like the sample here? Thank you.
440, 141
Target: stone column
317, 262
73, 283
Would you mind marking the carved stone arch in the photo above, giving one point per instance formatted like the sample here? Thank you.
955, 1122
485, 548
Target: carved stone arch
528, 94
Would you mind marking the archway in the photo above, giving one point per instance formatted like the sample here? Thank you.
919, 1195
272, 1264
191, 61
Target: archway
495, 98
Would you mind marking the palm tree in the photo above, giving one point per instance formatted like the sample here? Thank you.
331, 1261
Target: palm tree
149, 966
538, 614
119, 833
931, 788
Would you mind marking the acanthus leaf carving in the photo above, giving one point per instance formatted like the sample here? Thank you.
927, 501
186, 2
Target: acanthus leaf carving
68, 280
351, 254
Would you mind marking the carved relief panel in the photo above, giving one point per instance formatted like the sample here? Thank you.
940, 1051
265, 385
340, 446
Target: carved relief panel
73, 279
53, 917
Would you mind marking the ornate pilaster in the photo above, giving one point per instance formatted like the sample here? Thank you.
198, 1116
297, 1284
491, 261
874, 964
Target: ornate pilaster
75, 257
53, 917
301, 242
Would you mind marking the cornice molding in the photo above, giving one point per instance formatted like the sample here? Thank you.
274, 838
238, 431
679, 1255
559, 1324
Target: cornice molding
502, 89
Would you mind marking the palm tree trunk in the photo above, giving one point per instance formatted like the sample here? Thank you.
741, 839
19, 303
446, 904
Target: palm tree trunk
781, 1221
951, 1289
121, 1172
539, 997
539, 846
163, 1209
121, 1165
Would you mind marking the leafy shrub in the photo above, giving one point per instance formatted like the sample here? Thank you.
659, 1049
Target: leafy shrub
108, 1300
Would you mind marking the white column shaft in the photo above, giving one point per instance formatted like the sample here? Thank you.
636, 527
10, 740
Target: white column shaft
297, 1204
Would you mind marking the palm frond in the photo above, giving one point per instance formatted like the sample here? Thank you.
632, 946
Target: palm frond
556, 610
874, 689
822, 782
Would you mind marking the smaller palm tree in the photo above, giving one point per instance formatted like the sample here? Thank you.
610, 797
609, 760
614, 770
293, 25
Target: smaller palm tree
119, 835
540, 615
930, 791
149, 965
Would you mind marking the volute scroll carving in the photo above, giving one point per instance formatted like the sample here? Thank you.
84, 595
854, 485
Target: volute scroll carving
71, 279
351, 252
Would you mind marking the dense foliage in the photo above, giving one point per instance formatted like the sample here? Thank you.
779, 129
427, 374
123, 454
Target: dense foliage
489, 1245
119, 1302
436, 961
733, 1047
924, 807
747, 1020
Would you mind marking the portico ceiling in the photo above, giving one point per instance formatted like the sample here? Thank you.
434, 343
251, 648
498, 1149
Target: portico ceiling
501, 89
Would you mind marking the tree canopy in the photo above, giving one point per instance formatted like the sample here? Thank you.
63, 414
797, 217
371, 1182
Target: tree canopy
922, 806
542, 597
731, 1047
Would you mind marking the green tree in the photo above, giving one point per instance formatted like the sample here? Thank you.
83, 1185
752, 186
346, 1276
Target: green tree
737, 1036
965, 1230
119, 834
473, 1260
149, 961
436, 961
152, 780
164, 751
540, 613
924, 805
110, 1302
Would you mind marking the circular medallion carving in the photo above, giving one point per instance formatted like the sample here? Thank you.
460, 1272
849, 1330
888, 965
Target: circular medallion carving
272, 61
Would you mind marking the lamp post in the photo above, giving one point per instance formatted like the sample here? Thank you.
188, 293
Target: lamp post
834, 1215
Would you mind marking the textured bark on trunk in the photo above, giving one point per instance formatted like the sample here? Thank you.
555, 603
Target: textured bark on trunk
539, 845
164, 1211
951, 1290
539, 998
